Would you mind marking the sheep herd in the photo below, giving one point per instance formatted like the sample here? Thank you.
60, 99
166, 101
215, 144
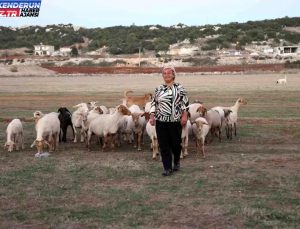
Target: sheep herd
126, 122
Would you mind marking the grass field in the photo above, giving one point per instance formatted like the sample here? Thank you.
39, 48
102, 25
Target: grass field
252, 181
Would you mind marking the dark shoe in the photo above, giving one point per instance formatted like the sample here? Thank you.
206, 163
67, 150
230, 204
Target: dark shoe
176, 168
167, 173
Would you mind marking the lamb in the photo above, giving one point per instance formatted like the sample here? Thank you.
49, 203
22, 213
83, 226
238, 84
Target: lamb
214, 121
137, 124
195, 112
201, 129
93, 105
185, 139
77, 118
234, 112
151, 131
282, 80
47, 129
37, 115
14, 132
88, 117
137, 100
106, 125
229, 123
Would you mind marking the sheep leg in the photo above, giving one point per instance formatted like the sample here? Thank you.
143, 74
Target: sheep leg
185, 143
113, 141
234, 129
82, 135
135, 135
203, 153
153, 148
88, 142
227, 131
22, 141
75, 134
105, 140
72, 131
17, 141
56, 140
139, 139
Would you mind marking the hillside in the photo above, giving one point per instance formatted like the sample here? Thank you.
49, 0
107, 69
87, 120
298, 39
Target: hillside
153, 38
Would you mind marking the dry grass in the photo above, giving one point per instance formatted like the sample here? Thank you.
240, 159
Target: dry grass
251, 181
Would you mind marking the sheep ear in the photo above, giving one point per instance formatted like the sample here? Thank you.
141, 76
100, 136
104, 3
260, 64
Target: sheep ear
99, 110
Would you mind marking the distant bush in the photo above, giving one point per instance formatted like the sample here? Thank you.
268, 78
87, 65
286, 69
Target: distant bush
87, 63
120, 62
200, 61
69, 63
294, 64
49, 64
13, 69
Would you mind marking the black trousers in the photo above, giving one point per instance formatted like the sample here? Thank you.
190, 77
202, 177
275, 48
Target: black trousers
169, 140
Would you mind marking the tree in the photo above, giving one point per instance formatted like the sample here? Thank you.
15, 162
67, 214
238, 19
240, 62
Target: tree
161, 45
74, 51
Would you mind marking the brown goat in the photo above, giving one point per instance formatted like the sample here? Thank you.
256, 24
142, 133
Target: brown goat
137, 100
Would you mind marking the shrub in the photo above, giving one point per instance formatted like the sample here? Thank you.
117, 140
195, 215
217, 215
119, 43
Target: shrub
14, 69
200, 61
294, 64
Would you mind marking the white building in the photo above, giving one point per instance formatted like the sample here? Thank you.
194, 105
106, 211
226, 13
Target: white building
287, 50
43, 50
65, 51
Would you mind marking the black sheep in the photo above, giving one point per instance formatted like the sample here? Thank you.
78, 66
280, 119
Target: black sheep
65, 121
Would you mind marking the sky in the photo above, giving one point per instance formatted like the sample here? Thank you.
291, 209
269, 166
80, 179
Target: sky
100, 13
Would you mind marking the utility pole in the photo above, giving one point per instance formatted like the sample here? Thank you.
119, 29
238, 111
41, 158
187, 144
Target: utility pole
139, 56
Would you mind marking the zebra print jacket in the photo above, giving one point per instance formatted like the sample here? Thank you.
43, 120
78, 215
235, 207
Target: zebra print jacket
168, 103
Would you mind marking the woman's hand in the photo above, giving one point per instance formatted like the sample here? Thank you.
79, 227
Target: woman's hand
184, 118
152, 119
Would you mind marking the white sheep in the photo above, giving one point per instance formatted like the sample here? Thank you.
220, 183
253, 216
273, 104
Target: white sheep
195, 112
214, 121
47, 131
77, 118
137, 124
93, 105
200, 129
185, 139
104, 109
234, 112
282, 80
151, 131
106, 126
88, 117
14, 132
229, 123
37, 115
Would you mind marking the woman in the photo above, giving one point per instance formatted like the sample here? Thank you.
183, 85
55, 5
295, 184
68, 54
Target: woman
169, 111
